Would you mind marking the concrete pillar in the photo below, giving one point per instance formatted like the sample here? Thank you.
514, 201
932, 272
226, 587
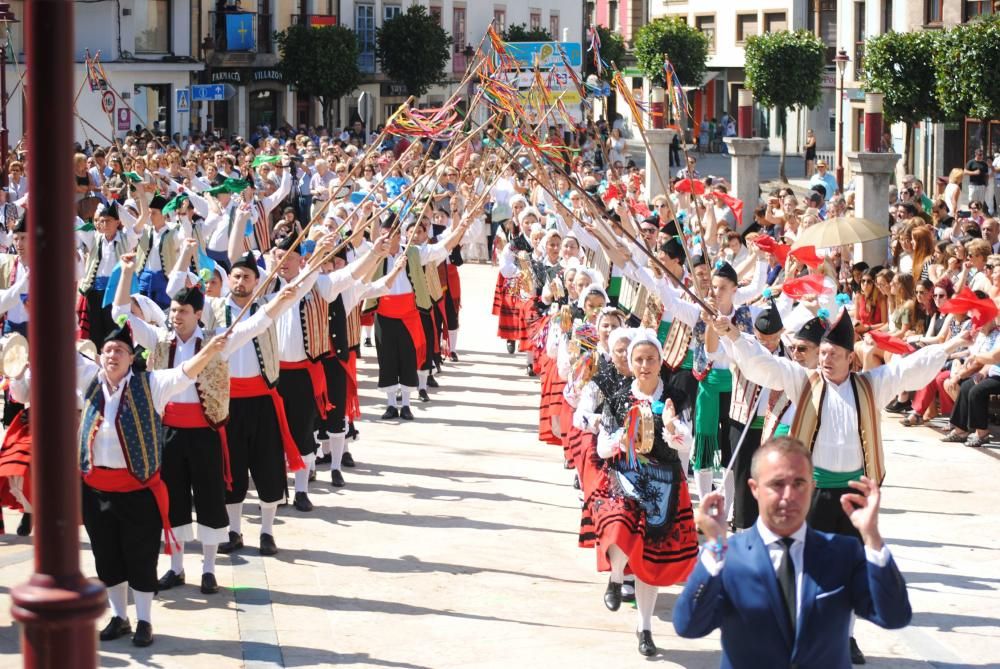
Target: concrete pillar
872, 175
744, 113
745, 175
658, 156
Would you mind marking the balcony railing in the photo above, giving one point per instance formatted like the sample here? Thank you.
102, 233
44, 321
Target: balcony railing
315, 20
458, 62
238, 32
366, 62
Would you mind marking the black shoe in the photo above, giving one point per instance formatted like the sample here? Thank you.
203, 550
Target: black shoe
390, 413
169, 580
24, 527
325, 460
432, 382
267, 545
405, 413
896, 406
453, 357
352, 432
347, 460
143, 634
531, 371
209, 586
646, 646
337, 479
857, 657
312, 475
302, 502
234, 544
628, 591
613, 596
115, 629
368, 342
422, 394
510, 346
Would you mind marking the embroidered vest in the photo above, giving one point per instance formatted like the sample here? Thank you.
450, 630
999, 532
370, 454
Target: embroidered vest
354, 327
433, 274
261, 228
745, 397
212, 384
137, 423
314, 316
809, 411
773, 417
94, 258
219, 316
8, 270
167, 250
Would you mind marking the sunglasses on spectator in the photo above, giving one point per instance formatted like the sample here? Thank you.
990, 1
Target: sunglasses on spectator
800, 348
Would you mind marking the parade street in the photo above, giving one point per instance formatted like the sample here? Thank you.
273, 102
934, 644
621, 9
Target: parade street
454, 545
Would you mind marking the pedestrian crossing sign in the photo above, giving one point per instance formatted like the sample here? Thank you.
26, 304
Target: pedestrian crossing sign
183, 100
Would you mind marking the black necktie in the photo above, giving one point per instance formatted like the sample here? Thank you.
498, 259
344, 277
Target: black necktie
786, 579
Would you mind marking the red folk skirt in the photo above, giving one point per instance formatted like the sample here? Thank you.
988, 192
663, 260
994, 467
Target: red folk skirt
15, 460
510, 325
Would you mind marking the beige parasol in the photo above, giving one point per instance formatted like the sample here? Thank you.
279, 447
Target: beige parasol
841, 231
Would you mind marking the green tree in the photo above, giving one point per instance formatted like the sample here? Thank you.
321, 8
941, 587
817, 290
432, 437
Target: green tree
414, 49
968, 74
612, 51
520, 32
685, 46
784, 71
321, 62
900, 67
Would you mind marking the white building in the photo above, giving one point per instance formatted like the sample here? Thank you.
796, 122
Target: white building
147, 51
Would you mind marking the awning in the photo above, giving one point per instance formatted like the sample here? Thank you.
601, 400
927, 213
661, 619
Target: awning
707, 77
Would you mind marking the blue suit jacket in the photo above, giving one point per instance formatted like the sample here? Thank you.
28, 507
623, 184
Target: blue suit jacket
745, 601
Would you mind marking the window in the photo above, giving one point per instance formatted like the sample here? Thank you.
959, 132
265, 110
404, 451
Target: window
364, 26
706, 24
390, 12
886, 16
436, 13
500, 20
458, 60
152, 26
859, 40
613, 15
973, 8
554, 26
535, 20
775, 22
827, 26
933, 11
746, 25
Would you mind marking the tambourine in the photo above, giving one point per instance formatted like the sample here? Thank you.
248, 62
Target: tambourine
13, 354
526, 272
644, 435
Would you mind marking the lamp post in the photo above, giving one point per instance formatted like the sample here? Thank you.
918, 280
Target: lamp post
841, 60
6, 18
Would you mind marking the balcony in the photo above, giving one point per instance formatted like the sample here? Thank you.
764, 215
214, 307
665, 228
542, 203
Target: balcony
238, 37
314, 20
366, 62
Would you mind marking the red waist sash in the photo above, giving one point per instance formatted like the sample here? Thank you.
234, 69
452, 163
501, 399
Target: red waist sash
317, 376
254, 386
122, 480
190, 415
404, 307
352, 409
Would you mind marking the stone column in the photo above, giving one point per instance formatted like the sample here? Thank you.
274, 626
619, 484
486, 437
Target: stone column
658, 156
745, 175
872, 175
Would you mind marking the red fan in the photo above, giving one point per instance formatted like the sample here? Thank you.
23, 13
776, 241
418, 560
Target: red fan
980, 309
769, 245
685, 185
890, 344
807, 285
807, 255
612, 193
639, 208
733, 203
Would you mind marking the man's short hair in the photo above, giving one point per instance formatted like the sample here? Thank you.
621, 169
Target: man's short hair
785, 445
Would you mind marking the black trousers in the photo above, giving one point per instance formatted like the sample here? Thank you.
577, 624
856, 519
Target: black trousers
193, 471
295, 388
450, 312
124, 530
255, 447
745, 510
98, 317
972, 408
431, 322
336, 387
682, 384
397, 356
826, 514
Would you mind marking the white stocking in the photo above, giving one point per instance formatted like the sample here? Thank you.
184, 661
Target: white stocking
390, 394
302, 475
118, 598
268, 510
143, 605
235, 513
405, 390
422, 379
703, 482
645, 601
177, 558
337, 446
618, 560
452, 340
208, 553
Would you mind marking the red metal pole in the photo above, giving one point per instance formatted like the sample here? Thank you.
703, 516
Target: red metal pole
57, 606
873, 122
744, 113
657, 107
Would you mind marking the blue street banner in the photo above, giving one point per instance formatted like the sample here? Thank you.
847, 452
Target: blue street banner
547, 52
239, 32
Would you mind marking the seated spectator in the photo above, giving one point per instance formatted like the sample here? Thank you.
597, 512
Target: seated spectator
972, 383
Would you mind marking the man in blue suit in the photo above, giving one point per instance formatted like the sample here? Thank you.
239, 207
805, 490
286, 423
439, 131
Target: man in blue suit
781, 592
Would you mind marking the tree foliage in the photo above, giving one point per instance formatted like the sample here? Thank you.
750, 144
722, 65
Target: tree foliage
900, 67
413, 48
612, 51
321, 62
967, 64
685, 46
520, 32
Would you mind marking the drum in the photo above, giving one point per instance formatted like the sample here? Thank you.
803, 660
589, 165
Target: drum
632, 300
13, 354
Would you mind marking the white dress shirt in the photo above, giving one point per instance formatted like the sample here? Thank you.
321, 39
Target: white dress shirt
429, 253
11, 303
289, 323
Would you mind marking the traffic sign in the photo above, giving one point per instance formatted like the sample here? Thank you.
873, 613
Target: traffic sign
183, 100
108, 102
124, 118
212, 92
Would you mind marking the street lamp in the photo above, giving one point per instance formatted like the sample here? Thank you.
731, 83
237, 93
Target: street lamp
6, 18
841, 60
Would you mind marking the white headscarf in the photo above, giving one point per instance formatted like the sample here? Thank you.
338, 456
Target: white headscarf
592, 289
644, 336
151, 311
618, 334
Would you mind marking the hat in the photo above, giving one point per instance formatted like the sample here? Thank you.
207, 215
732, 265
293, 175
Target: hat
158, 202
726, 271
238, 185
286, 243
812, 331
618, 334
21, 225
192, 296
110, 210
122, 333
821, 163
768, 321
674, 249
247, 261
841, 331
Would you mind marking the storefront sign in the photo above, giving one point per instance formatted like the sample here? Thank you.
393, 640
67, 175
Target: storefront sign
234, 76
392, 90
267, 74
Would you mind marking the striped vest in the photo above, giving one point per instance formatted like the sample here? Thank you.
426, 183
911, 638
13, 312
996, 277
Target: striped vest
314, 315
139, 428
414, 272
775, 412
94, 257
261, 228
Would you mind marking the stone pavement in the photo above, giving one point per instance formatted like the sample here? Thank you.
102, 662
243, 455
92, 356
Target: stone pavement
454, 545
